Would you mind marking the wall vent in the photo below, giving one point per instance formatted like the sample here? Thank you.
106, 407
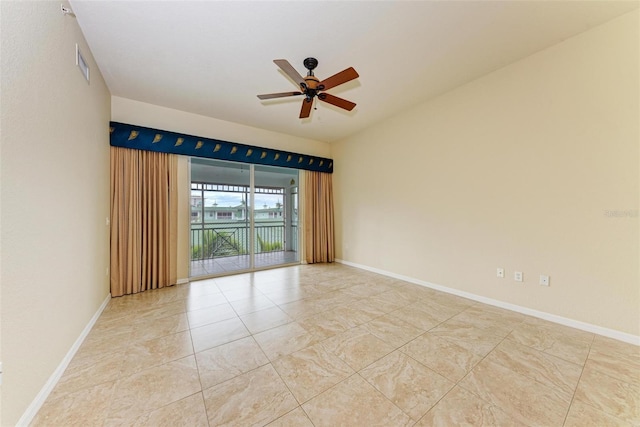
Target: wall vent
82, 63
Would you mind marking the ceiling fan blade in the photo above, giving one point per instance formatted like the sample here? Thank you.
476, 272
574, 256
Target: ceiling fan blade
337, 79
289, 70
306, 108
337, 101
278, 95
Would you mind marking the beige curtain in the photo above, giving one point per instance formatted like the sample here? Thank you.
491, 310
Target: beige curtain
318, 217
144, 212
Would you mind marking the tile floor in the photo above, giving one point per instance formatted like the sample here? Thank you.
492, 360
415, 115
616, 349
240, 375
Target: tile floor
330, 345
229, 264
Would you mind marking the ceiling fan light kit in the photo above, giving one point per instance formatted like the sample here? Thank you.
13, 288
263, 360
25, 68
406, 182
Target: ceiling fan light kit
311, 87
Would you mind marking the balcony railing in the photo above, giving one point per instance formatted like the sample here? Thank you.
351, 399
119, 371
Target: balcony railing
222, 239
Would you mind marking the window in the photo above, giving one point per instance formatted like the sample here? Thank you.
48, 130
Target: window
224, 215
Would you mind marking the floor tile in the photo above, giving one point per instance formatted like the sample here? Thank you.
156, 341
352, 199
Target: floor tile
250, 305
354, 402
452, 301
302, 308
324, 325
86, 407
583, 415
96, 345
357, 347
369, 308
444, 357
436, 310
206, 316
363, 290
234, 295
565, 343
227, 361
202, 287
265, 319
197, 302
416, 317
295, 418
160, 311
158, 351
410, 385
382, 305
161, 327
152, 389
462, 408
238, 281
392, 330
351, 316
625, 367
285, 296
215, 334
542, 367
614, 347
105, 326
396, 295
611, 395
187, 412
255, 398
498, 321
285, 339
520, 397
468, 335
88, 372
310, 371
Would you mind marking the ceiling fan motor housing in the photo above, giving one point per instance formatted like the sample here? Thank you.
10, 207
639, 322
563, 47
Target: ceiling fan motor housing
310, 64
310, 86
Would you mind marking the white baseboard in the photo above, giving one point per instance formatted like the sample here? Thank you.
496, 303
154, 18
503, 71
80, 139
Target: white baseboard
39, 400
610, 333
182, 281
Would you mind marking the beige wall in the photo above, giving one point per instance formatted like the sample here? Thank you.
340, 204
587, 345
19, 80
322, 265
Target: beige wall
143, 114
520, 169
139, 113
55, 196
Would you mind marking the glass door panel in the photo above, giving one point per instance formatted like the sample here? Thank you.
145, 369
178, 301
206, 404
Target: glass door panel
275, 235
220, 220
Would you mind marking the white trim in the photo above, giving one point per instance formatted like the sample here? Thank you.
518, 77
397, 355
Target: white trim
182, 281
611, 333
39, 400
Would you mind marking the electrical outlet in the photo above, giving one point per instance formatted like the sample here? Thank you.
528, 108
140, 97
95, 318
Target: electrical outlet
500, 273
517, 276
544, 280
107, 271
107, 221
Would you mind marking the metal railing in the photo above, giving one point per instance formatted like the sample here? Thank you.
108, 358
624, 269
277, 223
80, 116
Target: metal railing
221, 239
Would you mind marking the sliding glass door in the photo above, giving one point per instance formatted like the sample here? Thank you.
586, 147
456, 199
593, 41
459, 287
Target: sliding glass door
242, 217
274, 231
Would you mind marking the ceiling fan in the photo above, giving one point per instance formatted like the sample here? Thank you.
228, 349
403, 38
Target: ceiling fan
311, 87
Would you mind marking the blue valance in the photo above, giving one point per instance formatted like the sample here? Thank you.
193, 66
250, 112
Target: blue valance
143, 138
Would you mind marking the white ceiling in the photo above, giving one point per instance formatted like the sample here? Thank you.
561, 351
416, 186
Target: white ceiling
213, 57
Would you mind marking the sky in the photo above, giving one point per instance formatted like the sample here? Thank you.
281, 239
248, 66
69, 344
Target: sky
234, 199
